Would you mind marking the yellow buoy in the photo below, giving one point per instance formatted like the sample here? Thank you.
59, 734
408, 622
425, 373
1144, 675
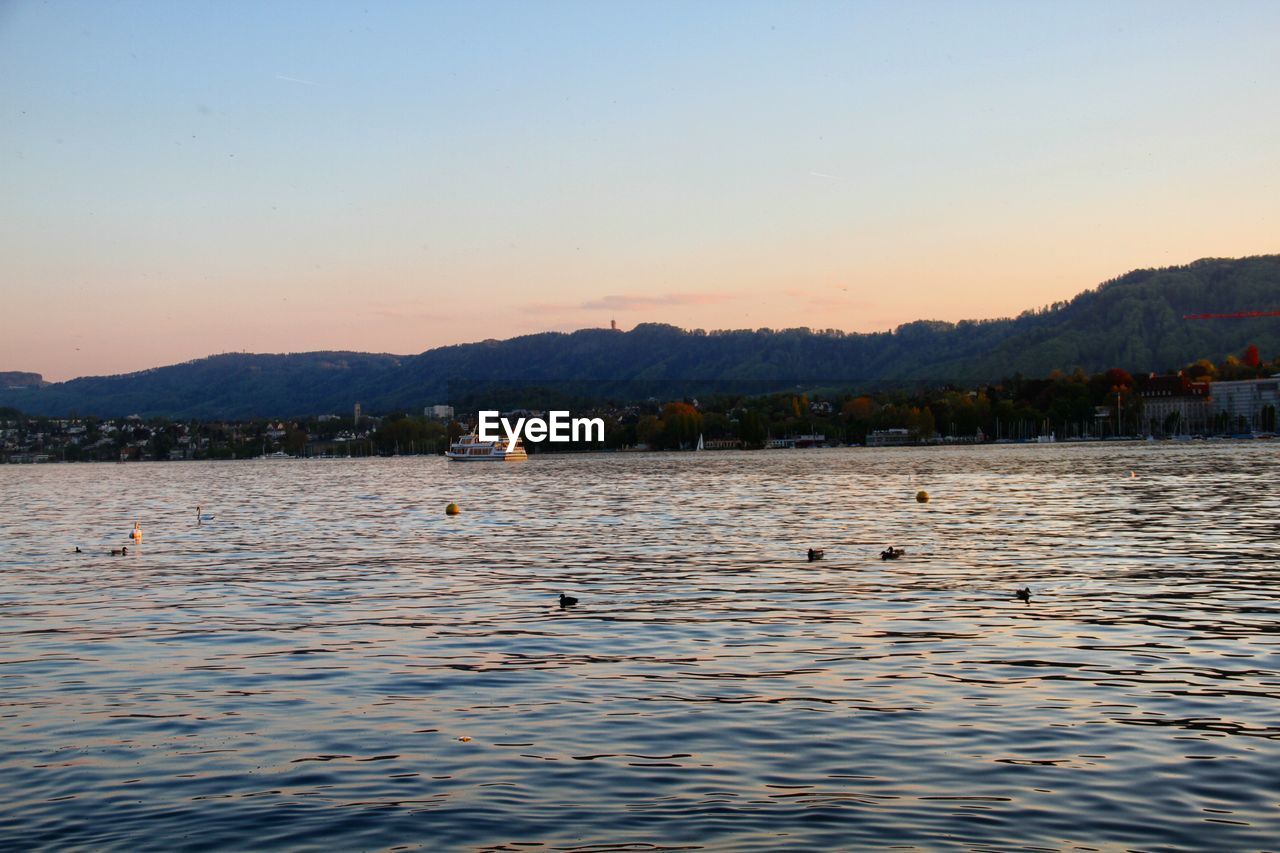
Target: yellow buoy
922, 497
451, 509
136, 535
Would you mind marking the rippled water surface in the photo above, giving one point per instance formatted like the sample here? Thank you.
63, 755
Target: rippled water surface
329, 662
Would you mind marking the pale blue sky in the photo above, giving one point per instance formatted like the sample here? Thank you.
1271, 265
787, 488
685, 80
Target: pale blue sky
187, 178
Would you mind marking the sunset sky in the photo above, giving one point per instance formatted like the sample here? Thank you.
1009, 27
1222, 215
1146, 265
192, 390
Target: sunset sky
182, 179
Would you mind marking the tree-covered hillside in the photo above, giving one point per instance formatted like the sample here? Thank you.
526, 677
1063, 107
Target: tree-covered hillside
1134, 322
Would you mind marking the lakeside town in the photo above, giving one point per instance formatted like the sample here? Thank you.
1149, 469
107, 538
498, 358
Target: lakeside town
1237, 398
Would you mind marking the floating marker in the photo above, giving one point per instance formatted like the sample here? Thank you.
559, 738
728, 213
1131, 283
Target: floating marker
451, 509
922, 497
136, 535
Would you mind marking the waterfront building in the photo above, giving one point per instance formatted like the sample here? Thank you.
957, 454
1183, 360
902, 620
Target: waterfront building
889, 438
1245, 405
1174, 405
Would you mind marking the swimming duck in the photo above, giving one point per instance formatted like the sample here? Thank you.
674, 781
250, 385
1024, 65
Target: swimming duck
78, 551
119, 552
1024, 594
892, 553
816, 554
567, 600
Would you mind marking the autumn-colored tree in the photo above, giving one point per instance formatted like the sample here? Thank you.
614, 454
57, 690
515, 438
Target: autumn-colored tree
1202, 371
859, 408
1119, 380
921, 422
682, 424
672, 411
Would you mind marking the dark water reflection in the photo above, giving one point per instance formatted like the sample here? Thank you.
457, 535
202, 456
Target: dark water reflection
329, 662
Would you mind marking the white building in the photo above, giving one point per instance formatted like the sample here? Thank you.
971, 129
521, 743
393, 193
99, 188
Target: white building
440, 413
1246, 405
889, 438
1174, 405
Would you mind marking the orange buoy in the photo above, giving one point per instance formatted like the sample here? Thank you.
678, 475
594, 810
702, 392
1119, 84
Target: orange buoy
136, 535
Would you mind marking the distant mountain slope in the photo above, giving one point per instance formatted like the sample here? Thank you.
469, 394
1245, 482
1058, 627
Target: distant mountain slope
234, 385
20, 379
1134, 322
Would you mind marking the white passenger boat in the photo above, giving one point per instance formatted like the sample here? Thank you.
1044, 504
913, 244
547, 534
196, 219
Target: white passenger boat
470, 448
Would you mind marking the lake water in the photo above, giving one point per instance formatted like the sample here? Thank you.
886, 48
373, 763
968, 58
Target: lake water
329, 662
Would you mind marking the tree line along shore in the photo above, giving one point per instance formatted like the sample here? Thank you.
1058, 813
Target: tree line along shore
1235, 397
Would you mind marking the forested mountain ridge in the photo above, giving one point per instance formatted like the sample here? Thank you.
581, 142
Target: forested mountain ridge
1134, 321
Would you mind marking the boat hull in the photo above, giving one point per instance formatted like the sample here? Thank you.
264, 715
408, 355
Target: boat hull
462, 457
469, 448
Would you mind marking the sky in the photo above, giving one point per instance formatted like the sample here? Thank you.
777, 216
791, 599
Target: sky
184, 179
